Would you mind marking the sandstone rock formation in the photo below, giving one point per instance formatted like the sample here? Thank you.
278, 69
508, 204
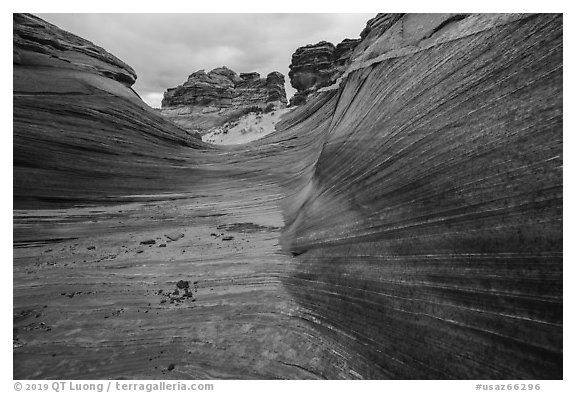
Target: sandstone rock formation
319, 65
420, 200
429, 231
79, 129
207, 100
343, 51
376, 26
39, 43
312, 67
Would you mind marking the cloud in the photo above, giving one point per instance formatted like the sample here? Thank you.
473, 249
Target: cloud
164, 49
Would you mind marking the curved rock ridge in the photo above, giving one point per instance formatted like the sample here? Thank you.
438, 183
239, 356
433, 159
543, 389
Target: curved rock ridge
405, 223
39, 43
376, 26
79, 129
208, 100
428, 234
318, 66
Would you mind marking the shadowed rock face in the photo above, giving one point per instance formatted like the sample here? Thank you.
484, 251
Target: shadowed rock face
208, 100
419, 196
344, 50
39, 43
312, 67
429, 236
318, 65
80, 133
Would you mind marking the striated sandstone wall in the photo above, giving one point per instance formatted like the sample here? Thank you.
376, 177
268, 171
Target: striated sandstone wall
39, 43
80, 132
428, 236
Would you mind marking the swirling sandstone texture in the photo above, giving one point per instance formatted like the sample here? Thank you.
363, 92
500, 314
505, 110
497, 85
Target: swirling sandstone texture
429, 233
208, 100
405, 223
79, 129
39, 43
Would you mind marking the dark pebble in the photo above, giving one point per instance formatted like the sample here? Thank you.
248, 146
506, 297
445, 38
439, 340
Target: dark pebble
183, 284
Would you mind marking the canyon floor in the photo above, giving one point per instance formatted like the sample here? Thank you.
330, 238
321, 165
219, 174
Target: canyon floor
98, 303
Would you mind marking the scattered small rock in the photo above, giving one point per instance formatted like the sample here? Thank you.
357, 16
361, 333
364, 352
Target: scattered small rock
228, 238
149, 241
91, 248
175, 236
37, 326
179, 295
114, 313
171, 366
162, 245
17, 343
183, 284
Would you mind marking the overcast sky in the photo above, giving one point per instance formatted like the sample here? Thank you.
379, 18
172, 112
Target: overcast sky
164, 49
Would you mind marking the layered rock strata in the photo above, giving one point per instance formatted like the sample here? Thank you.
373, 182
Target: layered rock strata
319, 65
312, 67
39, 43
79, 129
343, 51
429, 232
208, 100
420, 197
